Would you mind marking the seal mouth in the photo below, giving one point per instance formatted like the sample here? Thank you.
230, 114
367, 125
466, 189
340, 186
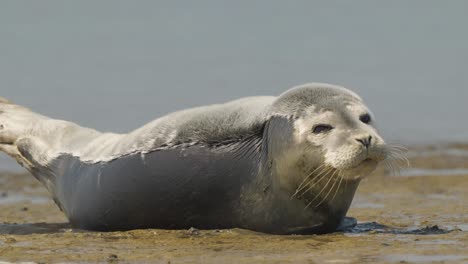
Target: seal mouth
364, 162
361, 169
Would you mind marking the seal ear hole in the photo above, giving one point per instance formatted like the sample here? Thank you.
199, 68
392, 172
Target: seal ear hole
365, 118
321, 128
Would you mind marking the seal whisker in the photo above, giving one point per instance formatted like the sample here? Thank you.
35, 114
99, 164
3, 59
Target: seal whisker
399, 155
310, 174
399, 160
396, 161
306, 178
311, 182
397, 152
388, 164
392, 167
338, 188
396, 146
331, 189
324, 187
343, 176
307, 185
315, 183
323, 170
404, 159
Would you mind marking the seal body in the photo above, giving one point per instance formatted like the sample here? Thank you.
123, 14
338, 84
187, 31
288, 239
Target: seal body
287, 164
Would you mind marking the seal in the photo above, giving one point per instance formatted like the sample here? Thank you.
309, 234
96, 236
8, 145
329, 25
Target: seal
286, 164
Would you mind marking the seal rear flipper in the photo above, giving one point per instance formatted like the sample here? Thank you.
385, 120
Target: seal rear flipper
12, 151
36, 137
17, 121
13, 126
34, 156
38, 155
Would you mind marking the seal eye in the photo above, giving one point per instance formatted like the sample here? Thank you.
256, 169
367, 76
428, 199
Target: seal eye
365, 118
322, 128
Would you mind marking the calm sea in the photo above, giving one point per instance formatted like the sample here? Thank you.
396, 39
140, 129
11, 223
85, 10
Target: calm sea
115, 65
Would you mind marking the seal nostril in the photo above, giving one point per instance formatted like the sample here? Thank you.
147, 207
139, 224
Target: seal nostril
365, 141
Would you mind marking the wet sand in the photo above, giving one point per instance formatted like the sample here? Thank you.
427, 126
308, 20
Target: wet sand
418, 217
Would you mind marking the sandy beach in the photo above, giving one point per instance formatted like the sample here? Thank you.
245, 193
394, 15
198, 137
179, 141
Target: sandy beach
420, 216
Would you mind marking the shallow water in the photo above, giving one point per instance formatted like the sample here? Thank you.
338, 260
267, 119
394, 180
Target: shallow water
417, 219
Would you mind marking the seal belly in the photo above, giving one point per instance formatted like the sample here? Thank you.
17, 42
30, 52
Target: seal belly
175, 188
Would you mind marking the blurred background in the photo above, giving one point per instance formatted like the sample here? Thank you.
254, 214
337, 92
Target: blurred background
115, 65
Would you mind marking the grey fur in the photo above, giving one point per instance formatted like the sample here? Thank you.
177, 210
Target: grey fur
229, 165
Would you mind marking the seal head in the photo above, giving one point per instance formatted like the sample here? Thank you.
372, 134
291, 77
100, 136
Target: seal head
322, 141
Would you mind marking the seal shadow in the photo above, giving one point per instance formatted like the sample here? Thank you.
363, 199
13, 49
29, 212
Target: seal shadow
350, 225
34, 228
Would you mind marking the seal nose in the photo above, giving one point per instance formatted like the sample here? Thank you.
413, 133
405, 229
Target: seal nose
366, 141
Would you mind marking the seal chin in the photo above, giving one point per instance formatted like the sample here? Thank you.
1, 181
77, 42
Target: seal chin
361, 170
